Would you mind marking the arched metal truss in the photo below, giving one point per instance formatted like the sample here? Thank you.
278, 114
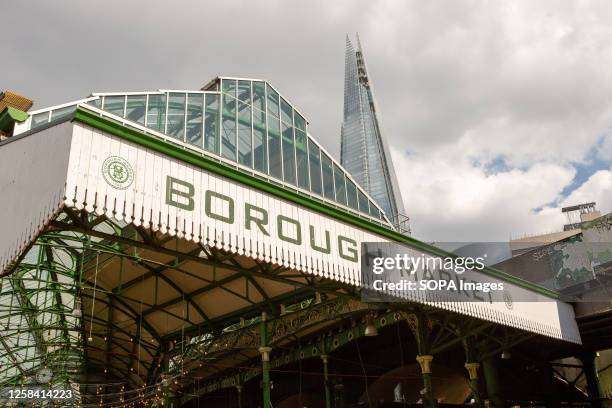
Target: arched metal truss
133, 316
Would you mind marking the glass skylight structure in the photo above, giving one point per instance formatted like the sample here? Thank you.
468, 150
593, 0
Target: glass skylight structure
364, 151
46, 332
243, 122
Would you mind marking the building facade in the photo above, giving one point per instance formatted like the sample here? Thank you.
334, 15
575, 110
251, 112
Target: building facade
167, 248
364, 150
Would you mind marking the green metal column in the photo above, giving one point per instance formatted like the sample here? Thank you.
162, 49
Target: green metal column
489, 368
339, 393
427, 393
239, 396
419, 327
472, 366
590, 371
325, 359
265, 361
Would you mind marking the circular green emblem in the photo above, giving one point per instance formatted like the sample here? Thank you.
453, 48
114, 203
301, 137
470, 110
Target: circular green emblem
117, 172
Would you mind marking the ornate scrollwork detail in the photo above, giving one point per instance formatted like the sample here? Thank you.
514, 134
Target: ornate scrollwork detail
413, 322
250, 340
280, 330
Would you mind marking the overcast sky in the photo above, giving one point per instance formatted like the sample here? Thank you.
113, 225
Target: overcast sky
497, 113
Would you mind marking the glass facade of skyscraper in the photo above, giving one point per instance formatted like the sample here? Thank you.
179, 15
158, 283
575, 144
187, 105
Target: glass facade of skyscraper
364, 153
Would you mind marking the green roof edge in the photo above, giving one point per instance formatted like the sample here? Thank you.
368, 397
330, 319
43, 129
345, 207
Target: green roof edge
178, 152
11, 115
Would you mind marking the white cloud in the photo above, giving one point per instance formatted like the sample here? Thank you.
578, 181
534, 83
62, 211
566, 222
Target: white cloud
450, 199
526, 80
597, 188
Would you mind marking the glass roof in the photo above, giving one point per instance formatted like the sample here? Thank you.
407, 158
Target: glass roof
36, 322
244, 122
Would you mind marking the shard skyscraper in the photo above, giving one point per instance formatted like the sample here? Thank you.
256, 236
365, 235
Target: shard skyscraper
364, 152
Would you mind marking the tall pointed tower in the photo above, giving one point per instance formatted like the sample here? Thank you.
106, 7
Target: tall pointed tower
364, 152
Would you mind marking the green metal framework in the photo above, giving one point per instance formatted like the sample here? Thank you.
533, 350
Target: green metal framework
57, 312
37, 302
61, 310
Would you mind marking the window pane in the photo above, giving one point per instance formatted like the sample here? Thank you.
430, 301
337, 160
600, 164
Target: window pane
288, 155
260, 151
315, 168
374, 210
229, 87
340, 188
363, 203
351, 194
176, 115
302, 159
228, 128
211, 131
195, 118
244, 91
135, 110
259, 95
300, 122
244, 134
40, 119
58, 113
274, 146
328, 177
156, 113
272, 101
114, 104
286, 112
96, 102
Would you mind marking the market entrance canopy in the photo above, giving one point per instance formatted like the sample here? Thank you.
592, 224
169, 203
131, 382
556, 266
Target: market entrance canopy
98, 163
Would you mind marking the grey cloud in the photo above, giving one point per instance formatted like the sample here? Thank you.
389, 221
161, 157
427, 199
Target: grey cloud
526, 80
